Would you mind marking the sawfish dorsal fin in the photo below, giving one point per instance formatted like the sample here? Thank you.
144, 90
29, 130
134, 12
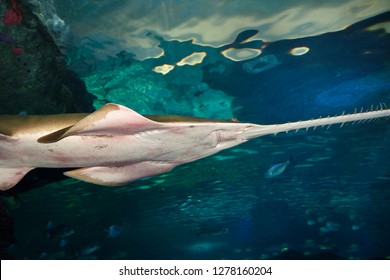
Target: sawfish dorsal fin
111, 119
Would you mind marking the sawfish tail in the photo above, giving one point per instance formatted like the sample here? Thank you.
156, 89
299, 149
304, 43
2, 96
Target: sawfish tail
260, 130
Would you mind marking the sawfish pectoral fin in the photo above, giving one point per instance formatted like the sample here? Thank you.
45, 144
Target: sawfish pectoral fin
120, 175
10, 176
109, 120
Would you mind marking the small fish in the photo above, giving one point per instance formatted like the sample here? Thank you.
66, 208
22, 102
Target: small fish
42, 255
114, 231
276, 169
325, 247
332, 226
59, 231
63, 243
355, 227
90, 248
329, 227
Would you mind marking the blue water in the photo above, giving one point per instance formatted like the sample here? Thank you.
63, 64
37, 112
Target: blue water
332, 203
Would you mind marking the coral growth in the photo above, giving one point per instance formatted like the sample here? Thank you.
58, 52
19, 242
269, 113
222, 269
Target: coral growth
13, 15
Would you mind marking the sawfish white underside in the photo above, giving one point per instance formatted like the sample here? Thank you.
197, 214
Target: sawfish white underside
115, 145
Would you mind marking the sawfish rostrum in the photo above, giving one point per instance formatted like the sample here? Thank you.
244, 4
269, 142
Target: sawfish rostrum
115, 145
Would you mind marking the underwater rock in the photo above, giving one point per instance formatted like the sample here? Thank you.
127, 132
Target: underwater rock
260, 64
58, 29
6, 38
151, 93
220, 69
202, 87
130, 85
7, 238
213, 104
186, 76
33, 71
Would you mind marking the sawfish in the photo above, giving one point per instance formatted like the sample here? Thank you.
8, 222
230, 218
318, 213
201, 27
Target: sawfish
115, 145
